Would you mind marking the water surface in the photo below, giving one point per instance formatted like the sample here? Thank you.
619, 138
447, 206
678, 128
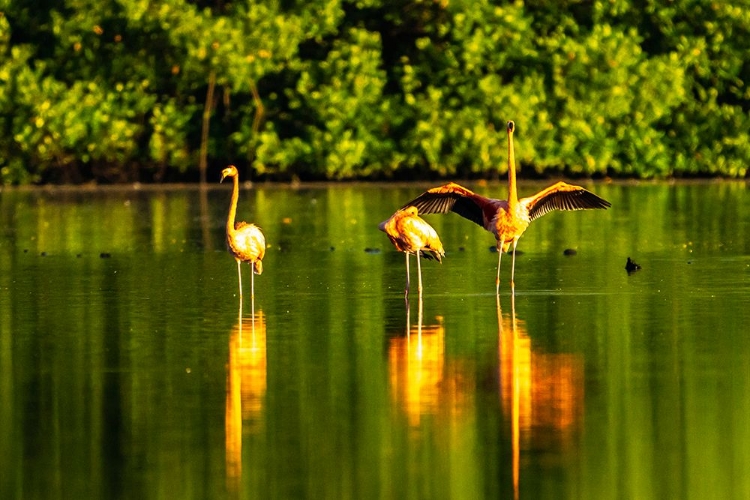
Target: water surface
128, 370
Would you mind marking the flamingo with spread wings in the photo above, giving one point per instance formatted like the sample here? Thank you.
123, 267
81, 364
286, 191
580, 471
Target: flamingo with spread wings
506, 219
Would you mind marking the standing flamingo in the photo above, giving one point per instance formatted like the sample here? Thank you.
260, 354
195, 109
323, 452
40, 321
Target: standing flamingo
412, 235
506, 219
245, 241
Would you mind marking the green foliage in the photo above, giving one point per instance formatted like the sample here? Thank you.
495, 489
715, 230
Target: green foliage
347, 114
610, 105
169, 144
373, 89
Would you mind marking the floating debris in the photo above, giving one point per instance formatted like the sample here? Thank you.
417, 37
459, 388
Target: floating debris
631, 266
43, 254
570, 251
105, 255
372, 250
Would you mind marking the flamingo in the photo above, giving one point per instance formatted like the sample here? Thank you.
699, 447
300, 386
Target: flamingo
506, 219
244, 241
410, 234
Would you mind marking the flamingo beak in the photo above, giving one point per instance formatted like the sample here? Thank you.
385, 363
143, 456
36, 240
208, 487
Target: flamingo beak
223, 176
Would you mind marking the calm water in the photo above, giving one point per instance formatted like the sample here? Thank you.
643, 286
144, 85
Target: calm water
127, 369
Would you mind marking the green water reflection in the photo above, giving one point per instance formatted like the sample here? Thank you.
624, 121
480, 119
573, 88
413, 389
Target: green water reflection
127, 369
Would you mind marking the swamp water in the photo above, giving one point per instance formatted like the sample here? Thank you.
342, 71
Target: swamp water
128, 370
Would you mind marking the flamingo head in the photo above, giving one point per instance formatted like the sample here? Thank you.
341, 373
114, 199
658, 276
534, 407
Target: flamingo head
230, 171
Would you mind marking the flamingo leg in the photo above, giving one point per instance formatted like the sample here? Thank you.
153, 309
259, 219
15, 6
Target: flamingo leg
239, 276
252, 290
240, 322
419, 326
419, 271
499, 259
406, 292
408, 319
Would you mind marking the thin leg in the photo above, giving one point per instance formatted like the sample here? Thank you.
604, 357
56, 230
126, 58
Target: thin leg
419, 271
419, 326
406, 292
239, 275
252, 291
240, 322
252, 320
499, 259
499, 315
408, 319
513, 270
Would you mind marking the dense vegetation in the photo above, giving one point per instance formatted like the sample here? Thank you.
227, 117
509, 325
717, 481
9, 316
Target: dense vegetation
137, 90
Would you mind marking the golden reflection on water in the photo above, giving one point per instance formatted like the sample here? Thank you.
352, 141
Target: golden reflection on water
542, 392
246, 387
422, 381
415, 367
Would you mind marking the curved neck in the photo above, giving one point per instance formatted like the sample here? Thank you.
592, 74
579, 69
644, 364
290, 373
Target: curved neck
512, 192
233, 204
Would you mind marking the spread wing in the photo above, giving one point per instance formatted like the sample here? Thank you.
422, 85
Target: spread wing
562, 196
454, 198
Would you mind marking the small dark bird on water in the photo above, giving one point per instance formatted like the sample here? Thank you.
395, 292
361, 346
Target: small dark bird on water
631, 266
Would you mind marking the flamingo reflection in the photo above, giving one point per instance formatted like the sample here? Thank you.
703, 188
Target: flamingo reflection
542, 392
422, 380
415, 366
246, 388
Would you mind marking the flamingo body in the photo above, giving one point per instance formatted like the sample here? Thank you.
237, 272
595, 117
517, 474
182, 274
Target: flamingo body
411, 234
245, 242
248, 244
506, 219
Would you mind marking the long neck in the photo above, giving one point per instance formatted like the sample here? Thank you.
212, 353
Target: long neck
512, 192
233, 205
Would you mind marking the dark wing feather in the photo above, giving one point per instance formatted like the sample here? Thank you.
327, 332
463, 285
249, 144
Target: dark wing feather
426, 254
432, 203
563, 196
449, 198
468, 209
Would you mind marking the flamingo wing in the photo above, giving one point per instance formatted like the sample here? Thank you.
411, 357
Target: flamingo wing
562, 196
454, 198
